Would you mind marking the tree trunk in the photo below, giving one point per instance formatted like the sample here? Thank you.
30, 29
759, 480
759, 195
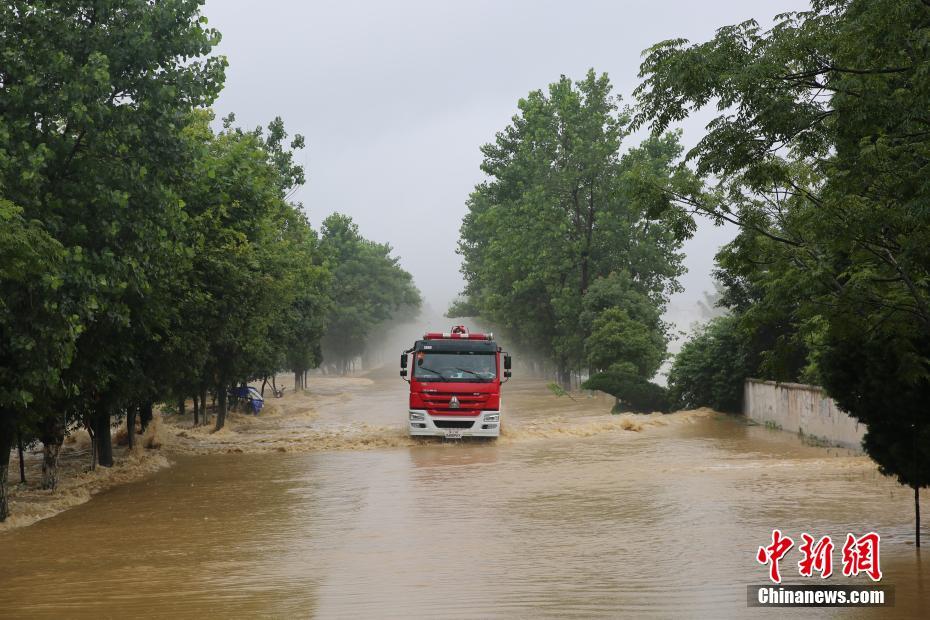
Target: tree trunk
131, 426
196, 410
7, 436
264, 383
203, 405
50, 452
917, 514
22, 464
182, 406
588, 234
102, 437
221, 412
584, 273
88, 422
564, 376
145, 414
52, 434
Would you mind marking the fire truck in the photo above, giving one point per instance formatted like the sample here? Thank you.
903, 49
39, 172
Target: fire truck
455, 385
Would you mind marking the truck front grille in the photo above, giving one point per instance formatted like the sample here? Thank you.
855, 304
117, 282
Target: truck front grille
454, 423
466, 401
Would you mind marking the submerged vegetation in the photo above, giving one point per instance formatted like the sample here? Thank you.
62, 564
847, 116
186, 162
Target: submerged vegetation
145, 255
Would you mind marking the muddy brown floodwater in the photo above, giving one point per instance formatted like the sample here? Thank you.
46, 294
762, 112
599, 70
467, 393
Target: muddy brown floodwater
573, 513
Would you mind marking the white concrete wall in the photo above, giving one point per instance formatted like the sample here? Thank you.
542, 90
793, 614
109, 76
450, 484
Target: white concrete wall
803, 409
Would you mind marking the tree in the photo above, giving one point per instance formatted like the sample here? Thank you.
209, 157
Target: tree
632, 392
760, 279
256, 268
368, 287
618, 290
711, 368
91, 106
621, 344
303, 329
143, 256
878, 374
623, 352
820, 154
562, 208
38, 328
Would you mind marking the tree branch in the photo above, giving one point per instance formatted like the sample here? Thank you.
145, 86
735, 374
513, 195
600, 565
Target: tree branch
871, 71
703, 209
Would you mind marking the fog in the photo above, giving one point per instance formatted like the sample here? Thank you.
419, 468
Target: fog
395, 99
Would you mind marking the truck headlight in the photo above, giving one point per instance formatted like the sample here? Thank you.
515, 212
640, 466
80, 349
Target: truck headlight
492, 417
417, 417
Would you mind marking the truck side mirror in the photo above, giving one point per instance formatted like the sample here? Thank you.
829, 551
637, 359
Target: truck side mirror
403, 361
507, 374
506, 361
403, 372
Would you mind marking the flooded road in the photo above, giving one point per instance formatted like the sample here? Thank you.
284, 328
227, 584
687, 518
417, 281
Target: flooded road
573, 513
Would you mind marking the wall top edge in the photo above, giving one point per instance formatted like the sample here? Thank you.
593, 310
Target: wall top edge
785, 384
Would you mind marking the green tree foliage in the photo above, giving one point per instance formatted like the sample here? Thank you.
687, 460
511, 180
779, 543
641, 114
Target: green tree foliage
762, 296
368, 287
877, 371
864, 367
711, 368
37, 332
38, 329
259, 289
145, 257
562, 208
301, 330
626, 343
90, 108
820, 154
633, 393
618, 290
621, 344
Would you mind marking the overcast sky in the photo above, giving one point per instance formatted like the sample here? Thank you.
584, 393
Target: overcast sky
395, 99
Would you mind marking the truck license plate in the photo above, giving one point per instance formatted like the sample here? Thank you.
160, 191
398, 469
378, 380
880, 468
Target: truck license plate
454, 433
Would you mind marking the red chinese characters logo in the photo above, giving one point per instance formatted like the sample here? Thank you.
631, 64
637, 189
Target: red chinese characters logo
773, 553
817, 557
860, 555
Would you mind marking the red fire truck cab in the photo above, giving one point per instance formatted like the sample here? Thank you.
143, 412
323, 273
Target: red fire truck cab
455, 386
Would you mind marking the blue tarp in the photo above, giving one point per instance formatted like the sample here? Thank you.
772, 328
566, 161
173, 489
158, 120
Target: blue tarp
251, 394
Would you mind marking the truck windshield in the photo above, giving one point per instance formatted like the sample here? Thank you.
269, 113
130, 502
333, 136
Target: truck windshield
455, 366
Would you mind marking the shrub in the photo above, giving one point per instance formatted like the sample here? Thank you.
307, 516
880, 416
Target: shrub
711, 368
632, 392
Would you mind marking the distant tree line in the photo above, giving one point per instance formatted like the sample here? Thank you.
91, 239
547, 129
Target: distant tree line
368, 288
146, 257
820, 153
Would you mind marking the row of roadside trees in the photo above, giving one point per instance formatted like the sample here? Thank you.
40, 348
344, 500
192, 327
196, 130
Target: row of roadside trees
148, 255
